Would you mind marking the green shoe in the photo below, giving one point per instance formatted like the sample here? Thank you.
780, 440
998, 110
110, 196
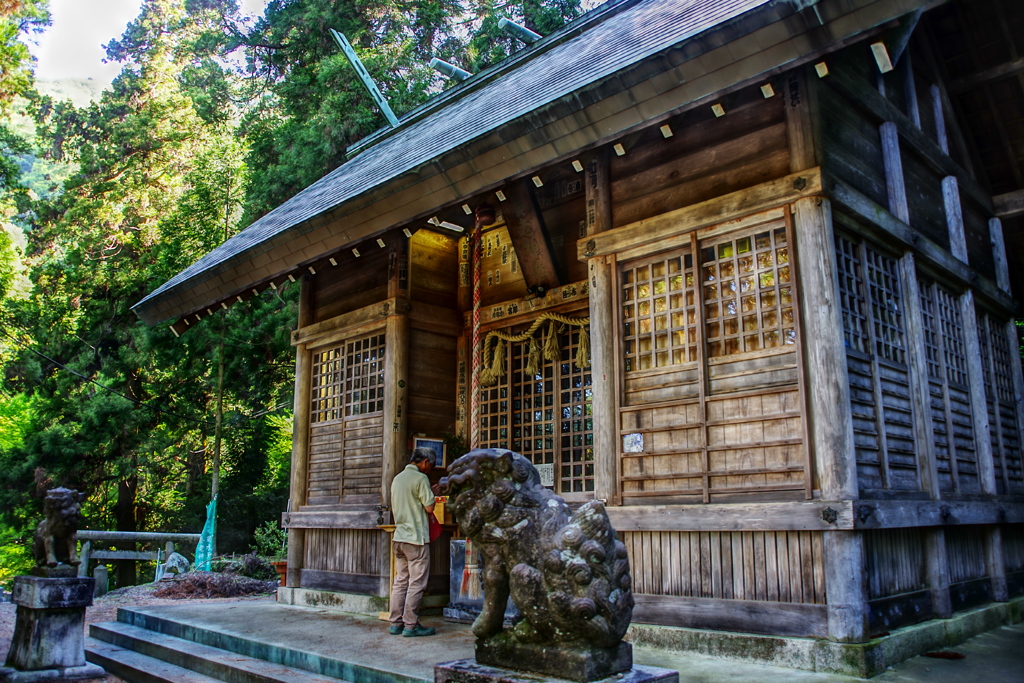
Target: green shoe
419, 630
396, 629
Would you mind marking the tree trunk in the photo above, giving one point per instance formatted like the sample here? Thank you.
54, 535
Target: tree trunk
125, 514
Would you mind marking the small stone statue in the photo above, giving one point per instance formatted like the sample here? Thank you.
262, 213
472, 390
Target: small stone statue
566, 571
57, 535
49, 630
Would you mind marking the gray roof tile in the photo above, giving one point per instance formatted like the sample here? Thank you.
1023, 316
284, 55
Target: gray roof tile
622, 33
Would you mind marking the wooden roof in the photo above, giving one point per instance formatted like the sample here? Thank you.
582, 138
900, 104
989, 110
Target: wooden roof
626, 65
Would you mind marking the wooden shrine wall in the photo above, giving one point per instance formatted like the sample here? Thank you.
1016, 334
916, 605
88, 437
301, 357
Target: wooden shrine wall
435, 325
751, 581
712, 406
928, 340
880, 137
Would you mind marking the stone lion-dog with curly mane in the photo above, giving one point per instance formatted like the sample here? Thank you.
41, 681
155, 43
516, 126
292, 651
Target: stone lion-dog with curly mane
57, 535
565, 570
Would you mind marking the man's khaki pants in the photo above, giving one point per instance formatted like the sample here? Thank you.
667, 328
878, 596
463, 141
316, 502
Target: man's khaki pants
412, 569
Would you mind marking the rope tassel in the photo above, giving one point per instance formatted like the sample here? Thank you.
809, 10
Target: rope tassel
583, 349
533, 361
551, 344
487, 376
498, 364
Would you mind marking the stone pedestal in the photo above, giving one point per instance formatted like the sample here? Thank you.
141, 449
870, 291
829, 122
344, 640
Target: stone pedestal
49, 632
561, 661
471, 671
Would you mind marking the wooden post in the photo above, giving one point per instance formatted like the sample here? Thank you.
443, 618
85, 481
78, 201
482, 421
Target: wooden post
603, 349
940, 119
799, 128
893, 161
979, 402
603, 336
954, 218
831, 417
920, 399
995, 566
828, 385
396, 372
995, 232
936, 566
300, 438
1017, 374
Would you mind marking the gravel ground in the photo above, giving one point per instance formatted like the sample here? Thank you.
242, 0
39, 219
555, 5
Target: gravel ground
105, 609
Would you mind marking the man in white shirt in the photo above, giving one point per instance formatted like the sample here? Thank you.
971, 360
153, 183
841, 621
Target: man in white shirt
411, 502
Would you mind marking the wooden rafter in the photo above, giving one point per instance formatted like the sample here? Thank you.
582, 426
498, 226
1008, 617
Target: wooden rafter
529, 237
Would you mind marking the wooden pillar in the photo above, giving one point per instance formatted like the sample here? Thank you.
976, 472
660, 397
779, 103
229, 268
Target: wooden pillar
895, 186
936, 563
827, 382
831, 417
396, 376
1017, 374
954, 218
940, 118
920, 399
995, 232
604, 348
300, 438
972, 346
995, 566
603, 369
396, 371
979, 402
799, 121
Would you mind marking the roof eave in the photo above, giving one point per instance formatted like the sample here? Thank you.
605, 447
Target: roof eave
757, 44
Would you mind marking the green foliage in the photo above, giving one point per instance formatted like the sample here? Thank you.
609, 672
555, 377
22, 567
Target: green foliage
270, 541
15, 556
179, 154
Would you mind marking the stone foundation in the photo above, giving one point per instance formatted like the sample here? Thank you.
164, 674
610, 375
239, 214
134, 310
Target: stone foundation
471, 671
562, 661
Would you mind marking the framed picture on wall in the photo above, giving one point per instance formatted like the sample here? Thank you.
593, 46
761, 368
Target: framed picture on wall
436, 445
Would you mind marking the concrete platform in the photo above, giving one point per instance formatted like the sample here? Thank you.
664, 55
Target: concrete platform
358, 648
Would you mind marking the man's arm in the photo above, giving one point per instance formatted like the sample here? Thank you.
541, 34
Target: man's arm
426, 494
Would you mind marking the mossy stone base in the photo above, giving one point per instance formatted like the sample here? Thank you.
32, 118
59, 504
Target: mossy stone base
577, 663
864, 660
471, 671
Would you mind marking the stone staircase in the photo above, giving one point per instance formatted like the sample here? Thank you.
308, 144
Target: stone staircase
144, 648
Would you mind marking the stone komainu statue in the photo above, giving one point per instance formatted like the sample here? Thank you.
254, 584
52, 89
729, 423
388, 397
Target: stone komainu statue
56, 536
566, 571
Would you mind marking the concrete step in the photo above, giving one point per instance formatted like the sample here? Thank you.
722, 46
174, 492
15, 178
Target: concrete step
270, 646
141, 653
137, 668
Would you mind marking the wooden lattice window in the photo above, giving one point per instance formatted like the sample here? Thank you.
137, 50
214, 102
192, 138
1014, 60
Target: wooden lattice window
348, 379
999, 394
659, 314
546, 416
851, 295
949, 390
880, 391
346, 422
748, 298
711, 394
886, 310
